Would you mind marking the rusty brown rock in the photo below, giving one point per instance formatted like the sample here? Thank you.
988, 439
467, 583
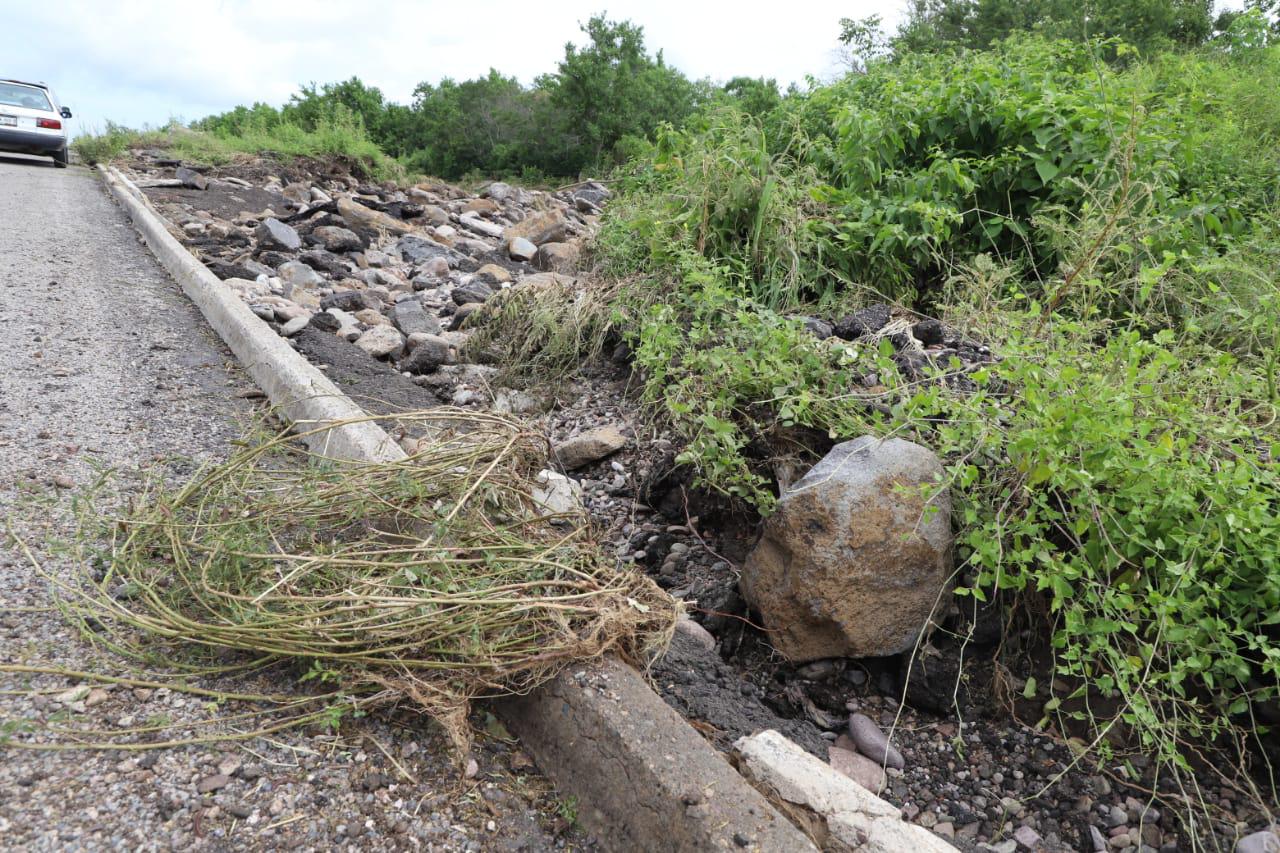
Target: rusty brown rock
538, 228
857, 554
557, 257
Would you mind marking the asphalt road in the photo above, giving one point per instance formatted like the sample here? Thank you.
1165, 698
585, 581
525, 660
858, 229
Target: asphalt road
104, 364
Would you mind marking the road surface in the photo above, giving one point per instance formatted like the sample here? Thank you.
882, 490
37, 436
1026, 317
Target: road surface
105, 364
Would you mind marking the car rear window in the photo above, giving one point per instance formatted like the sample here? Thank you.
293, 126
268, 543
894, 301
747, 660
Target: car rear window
16, 95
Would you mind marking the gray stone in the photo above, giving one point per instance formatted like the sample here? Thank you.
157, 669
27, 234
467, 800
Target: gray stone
557, 494
1259, 842
474, 223
274, 234
1098, 839
695, 632
474, 291
1027, 838
191, 178
498, 191
857, 554
511, 401
411, 318
873, 743
297, 324
209, 784
588, 447
521, 249
427, 354
381, 341
338, 239
818, 327
419, 250
853, 817
298, 274
351, 300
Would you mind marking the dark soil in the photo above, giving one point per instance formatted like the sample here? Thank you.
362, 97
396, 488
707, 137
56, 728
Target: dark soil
223, 200
375, 385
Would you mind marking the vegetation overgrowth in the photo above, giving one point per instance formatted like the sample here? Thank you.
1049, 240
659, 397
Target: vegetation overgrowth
1096, 196
1109, 223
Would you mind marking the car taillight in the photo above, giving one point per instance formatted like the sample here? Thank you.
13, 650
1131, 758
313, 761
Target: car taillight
49, 123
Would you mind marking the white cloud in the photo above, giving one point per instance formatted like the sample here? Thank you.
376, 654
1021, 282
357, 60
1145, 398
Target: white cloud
145, 61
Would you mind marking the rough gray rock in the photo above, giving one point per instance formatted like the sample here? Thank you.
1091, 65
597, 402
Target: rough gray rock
428, 353
351, 300
298, 274
475, 291
274, 234
338, 239
191, 178
857, 554
419, 250
411, 318
588, 447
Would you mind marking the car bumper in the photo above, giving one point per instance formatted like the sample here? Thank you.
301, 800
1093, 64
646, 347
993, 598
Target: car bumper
29, 142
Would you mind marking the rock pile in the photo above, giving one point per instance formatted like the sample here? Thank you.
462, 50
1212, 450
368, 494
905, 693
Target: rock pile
395, 272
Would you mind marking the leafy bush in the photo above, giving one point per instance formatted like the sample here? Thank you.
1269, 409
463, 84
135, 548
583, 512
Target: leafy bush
104, 147
1112, 233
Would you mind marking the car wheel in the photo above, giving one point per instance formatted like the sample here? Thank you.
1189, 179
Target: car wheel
60, 159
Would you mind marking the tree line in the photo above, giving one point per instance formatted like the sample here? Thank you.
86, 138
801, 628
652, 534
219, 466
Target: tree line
606, 99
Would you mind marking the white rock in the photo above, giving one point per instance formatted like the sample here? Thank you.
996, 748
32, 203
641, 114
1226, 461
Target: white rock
474, 223
557, 494
381, 341
294, 326
298, 274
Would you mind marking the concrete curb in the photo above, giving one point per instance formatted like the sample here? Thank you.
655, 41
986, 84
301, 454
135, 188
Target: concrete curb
643, 777
304, 395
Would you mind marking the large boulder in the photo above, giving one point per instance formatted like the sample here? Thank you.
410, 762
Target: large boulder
857, 554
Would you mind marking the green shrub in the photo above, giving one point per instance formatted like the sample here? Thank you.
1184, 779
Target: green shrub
1113, 234
103, 147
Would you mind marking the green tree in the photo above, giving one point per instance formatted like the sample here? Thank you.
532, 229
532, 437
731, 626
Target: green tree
612, 88
934, 25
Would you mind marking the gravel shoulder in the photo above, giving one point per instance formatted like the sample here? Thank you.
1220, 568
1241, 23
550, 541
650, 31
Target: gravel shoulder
107, 366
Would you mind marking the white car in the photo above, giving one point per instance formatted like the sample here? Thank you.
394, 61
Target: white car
31, 122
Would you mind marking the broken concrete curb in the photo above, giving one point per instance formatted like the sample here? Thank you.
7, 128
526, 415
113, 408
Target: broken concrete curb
644, 778
839, 813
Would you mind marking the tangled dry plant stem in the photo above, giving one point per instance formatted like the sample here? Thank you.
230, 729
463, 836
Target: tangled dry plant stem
439, 577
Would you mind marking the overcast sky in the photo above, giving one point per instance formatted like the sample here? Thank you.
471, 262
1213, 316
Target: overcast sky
144, 61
